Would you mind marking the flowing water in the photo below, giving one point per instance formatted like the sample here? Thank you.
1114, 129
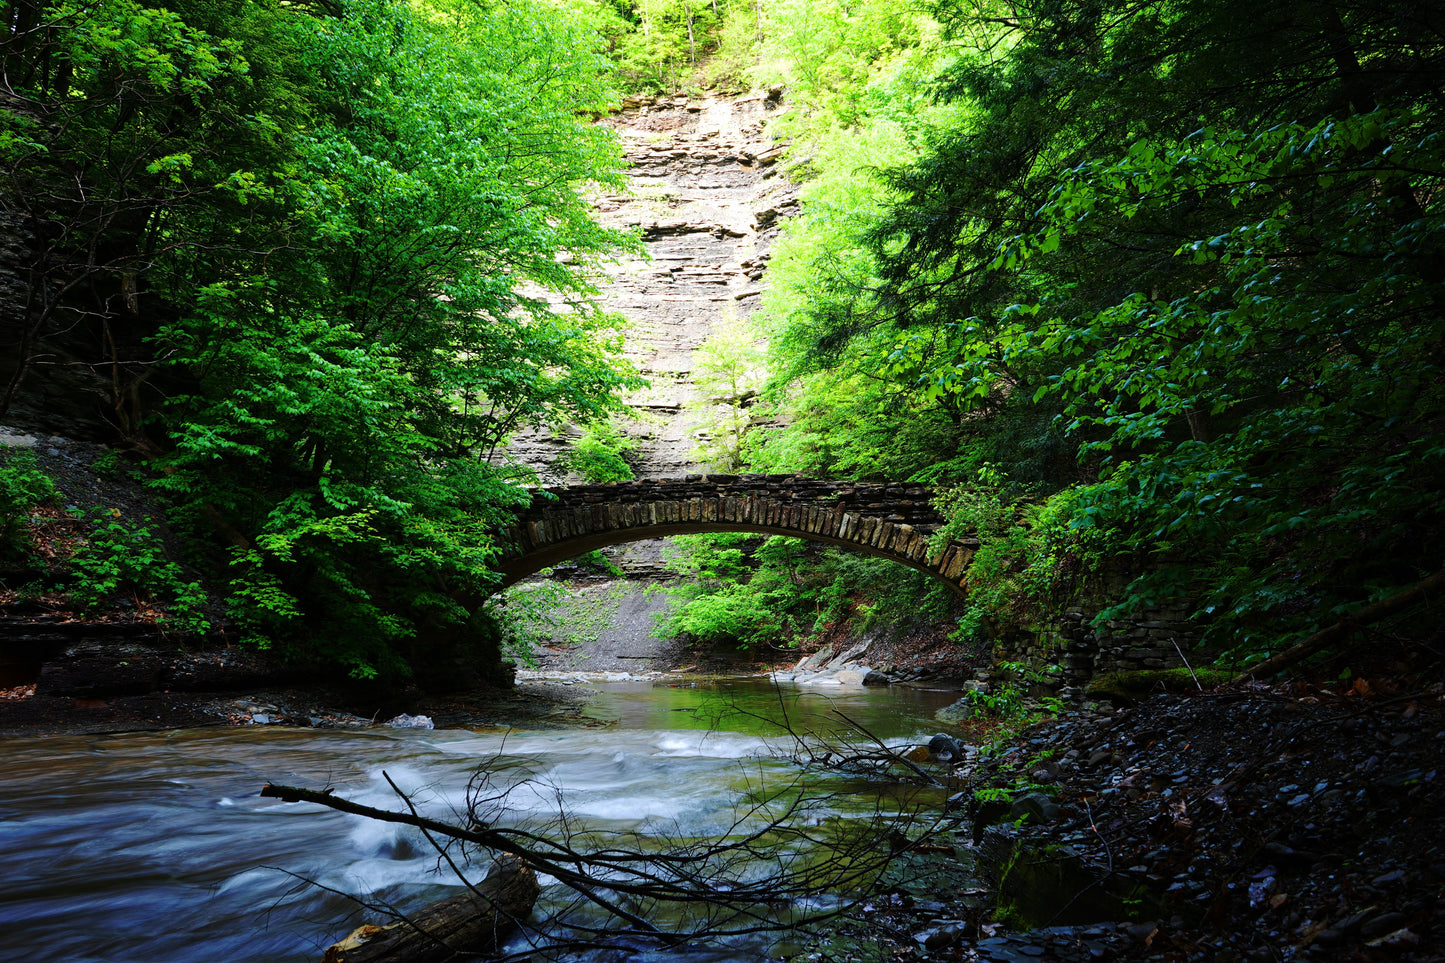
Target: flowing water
157, 847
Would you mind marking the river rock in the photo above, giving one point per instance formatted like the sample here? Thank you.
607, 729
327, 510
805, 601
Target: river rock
1036, 806
944, 748
817, 660
854, 675
849, 655
957, 712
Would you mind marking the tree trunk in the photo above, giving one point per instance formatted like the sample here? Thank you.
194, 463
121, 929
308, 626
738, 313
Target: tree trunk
473, 922
691, 43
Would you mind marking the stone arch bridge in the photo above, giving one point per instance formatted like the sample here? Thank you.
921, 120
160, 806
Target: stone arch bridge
888, 519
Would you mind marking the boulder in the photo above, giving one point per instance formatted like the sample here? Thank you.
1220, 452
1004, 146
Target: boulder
1038, 807
817, 660
405, 721
851, 654
957, 712
944, 748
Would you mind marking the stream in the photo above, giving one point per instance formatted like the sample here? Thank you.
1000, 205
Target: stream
156, 847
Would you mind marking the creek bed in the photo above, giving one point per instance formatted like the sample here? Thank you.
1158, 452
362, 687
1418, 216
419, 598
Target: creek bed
156, 846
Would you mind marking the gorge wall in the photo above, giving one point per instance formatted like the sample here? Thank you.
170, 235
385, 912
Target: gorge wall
708, 197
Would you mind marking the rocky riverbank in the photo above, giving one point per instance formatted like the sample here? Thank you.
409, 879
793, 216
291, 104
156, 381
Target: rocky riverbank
39, 709
1298, 822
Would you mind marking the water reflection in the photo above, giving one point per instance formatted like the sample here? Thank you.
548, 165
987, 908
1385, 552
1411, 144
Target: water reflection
757, 707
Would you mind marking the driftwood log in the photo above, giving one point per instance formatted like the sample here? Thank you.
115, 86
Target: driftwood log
473, 922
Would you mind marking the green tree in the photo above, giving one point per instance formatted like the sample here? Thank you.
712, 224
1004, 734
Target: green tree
367, 384
727, 369
600, 455
781, 592
356, 235
1203, 241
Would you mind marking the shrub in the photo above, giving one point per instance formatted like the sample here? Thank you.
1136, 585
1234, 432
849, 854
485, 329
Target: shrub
24, 486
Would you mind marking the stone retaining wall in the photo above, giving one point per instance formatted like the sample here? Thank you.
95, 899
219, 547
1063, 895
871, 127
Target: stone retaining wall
1154, 639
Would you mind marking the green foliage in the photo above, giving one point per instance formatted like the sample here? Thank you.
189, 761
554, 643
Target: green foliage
727, 369
546, 612
118, 559
843, 410
112, 464
1014, 578
1004, 701
24, 486
1008, 699
257, 598
600, 455
527, 615
664, 45
716, 601
355, 237
1013, 783
1175, 269
830, 54
787, 591
597, 561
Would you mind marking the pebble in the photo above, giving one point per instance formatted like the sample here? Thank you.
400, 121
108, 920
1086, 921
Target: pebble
1272, 780
1399, 939
1385, 923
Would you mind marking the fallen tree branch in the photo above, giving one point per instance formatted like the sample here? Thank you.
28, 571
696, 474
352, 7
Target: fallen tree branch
1342, 629
894, 755
714, 887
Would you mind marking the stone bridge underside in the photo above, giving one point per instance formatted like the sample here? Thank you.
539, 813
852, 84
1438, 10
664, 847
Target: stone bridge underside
890, 520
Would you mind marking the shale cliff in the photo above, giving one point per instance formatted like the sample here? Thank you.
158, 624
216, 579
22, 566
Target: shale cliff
708, 197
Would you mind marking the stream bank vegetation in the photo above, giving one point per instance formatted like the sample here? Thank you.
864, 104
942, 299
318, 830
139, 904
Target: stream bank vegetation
784, 593
1158, 286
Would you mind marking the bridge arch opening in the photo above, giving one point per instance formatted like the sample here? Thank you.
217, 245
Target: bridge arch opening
887, 520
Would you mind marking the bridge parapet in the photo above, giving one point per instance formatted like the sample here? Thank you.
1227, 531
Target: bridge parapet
890, 519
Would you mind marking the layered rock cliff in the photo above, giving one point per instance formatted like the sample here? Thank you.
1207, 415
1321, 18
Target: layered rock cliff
708, 196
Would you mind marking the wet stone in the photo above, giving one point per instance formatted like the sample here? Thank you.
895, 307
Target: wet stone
1380, 925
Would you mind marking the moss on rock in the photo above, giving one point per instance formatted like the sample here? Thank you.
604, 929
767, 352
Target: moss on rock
1129, 687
